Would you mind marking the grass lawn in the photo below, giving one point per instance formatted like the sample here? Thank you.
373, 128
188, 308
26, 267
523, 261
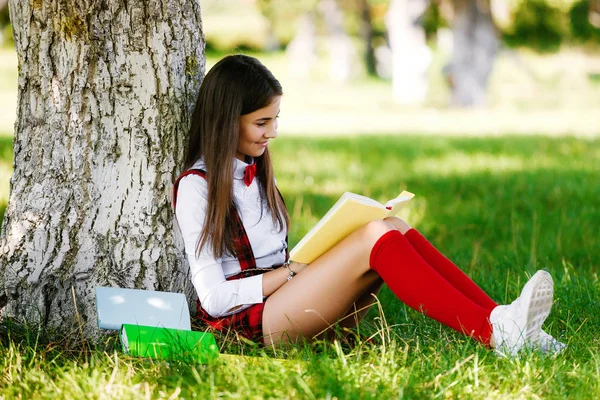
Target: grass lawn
520, 197
500, 207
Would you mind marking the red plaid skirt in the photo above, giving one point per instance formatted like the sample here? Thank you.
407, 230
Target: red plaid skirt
247, 323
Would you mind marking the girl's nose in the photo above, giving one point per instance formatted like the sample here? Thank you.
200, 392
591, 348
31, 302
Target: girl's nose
272, 133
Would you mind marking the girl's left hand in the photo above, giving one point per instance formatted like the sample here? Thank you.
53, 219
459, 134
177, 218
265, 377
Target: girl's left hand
297, 267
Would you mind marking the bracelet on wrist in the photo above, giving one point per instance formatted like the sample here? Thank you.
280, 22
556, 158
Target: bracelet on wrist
292, 273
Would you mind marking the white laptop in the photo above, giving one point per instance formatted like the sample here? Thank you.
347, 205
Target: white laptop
117, 306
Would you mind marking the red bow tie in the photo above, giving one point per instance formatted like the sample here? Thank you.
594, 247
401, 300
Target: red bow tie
249, 174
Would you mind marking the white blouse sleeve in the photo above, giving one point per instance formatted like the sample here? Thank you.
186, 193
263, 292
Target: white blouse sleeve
217, 296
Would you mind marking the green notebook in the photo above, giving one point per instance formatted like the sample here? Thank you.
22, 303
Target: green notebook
166, 343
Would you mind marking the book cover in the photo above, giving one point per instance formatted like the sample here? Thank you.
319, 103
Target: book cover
348, 214
166, 343
118, 306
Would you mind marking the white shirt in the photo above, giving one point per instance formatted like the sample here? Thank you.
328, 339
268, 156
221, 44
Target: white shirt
217, 295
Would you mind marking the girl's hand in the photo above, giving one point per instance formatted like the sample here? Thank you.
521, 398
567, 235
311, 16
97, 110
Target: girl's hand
273, 280
297, 267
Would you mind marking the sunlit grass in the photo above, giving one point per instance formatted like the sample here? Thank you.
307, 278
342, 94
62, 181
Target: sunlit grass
528, 94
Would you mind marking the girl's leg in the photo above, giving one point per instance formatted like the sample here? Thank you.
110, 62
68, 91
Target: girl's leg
361, 307
326, 289
534, 317
421, 287
443, 265
356, 313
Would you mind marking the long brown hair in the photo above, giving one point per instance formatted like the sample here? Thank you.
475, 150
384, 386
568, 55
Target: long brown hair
237, 85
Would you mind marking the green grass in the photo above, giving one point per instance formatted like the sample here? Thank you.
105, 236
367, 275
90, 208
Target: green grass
501, 207
6, 158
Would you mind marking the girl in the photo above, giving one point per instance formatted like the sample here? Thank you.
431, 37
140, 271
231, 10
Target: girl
234, 224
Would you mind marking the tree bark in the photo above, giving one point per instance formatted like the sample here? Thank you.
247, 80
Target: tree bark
410, 54
474, 50
106, 89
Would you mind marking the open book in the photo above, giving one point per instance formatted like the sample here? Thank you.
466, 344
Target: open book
349, 213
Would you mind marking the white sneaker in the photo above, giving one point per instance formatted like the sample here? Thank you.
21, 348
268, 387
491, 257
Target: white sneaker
549, 345
520, 323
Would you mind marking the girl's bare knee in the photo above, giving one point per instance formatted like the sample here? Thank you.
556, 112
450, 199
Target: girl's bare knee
373, 230
399, 224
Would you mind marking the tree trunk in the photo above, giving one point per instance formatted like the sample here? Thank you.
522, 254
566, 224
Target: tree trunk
106, 89
594, 13
302, 50
474, 50
367, 36
341, 51
410, 54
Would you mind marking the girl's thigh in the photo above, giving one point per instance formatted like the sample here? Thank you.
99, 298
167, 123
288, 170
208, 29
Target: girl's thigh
325, 290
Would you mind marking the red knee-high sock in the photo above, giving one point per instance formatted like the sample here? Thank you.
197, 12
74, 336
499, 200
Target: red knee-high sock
449, 270
421, 287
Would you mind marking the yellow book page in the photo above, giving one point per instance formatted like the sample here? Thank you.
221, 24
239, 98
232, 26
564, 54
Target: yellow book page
350, 216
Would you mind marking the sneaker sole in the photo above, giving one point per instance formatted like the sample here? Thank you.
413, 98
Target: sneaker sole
549, 345
541, 288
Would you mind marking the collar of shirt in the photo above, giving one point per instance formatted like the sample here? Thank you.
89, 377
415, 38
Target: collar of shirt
239, 167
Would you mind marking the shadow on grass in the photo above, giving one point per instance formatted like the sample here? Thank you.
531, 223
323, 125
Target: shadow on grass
6, 148
526, 200
500, 207
2, 211
6, 159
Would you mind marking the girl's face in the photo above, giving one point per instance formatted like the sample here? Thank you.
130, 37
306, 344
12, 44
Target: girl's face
256, 129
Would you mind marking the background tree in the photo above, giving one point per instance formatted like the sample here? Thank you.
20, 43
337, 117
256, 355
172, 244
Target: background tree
4, 21
410, 53
473, 52
341, 50
367, 34
105, 93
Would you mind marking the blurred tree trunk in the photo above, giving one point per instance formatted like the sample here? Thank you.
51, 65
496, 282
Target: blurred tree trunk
594, 13
410, 54
367, 34
342, 54
302, 50
3, 23
106, 90
474, 50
